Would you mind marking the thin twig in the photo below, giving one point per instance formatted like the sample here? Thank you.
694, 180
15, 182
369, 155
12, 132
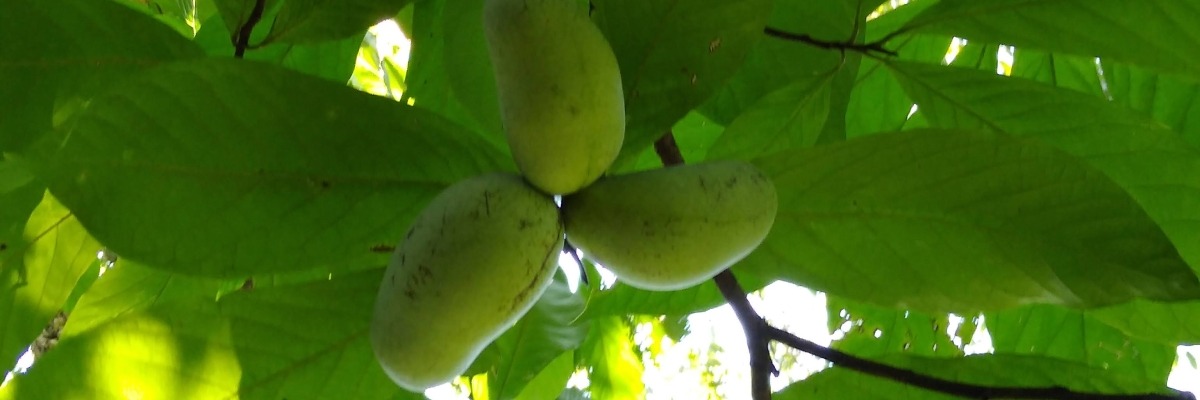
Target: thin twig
242, 40
668, 151
865, 48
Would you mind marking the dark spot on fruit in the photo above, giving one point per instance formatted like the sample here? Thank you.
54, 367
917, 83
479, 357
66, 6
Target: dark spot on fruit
383, 248
325, 184
409, 234
410, 294
3, 246
525, 224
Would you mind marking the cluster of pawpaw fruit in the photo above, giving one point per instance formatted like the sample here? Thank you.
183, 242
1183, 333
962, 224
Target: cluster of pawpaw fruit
481, 253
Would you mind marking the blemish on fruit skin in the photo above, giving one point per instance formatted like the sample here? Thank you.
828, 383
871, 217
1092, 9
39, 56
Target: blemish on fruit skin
714, 45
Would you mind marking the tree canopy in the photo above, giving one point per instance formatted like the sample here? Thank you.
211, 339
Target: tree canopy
247, 192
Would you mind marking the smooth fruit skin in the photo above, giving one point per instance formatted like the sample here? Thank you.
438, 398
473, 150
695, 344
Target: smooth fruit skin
672, 228
473, 262
559, 89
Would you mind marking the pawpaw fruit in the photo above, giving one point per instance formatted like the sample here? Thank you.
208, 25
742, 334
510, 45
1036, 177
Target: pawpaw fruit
675, 227
472, 263
559, 90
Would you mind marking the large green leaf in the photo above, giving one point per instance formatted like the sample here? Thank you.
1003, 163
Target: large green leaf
553, 379
547, 331
56, 54
614, 368
936, 220
673, 55
694, 136
992, 369
161, 353
306, 21
1071, 335
1065, 71
431, 75
1155, 165
1171, 101
792, 117
468, 64
875, 331
623, 299
128, 287
877, 102
229, 168
1153, 33
39, 269
774, 63
296, 342
331, 59
1160, 322
308, 341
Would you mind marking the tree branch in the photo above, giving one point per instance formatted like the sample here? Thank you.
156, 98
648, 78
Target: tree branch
966, 390
242, 40
755, 327
761, 367
759, 335
865, 48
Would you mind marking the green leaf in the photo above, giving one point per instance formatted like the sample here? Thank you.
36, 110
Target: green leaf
81, 46
1155, 165
878, 102
333, 59
674, 55
297, 342
623, 299
307, 21
229, 168
128, 287
235, 14
1065, 71
991, 369
429, 78
549, 383
1071, 335
1173, 323
1168, 100
547, 331
1150, 33
308, 341
615, 370
161, 353
40, 268
791, 117
933, 220
774, 63
694, 136
468, 64
876, 331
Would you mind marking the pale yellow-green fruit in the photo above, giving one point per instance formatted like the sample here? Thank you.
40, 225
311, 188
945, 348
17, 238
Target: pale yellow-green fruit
559, 89
672, 228
472, 263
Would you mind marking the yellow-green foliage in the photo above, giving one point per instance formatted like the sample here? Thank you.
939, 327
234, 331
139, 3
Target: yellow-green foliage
559, 89
473, 262
675, 227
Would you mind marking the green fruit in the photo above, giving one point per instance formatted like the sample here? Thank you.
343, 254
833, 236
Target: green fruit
559, 90
473, 262
672, 228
